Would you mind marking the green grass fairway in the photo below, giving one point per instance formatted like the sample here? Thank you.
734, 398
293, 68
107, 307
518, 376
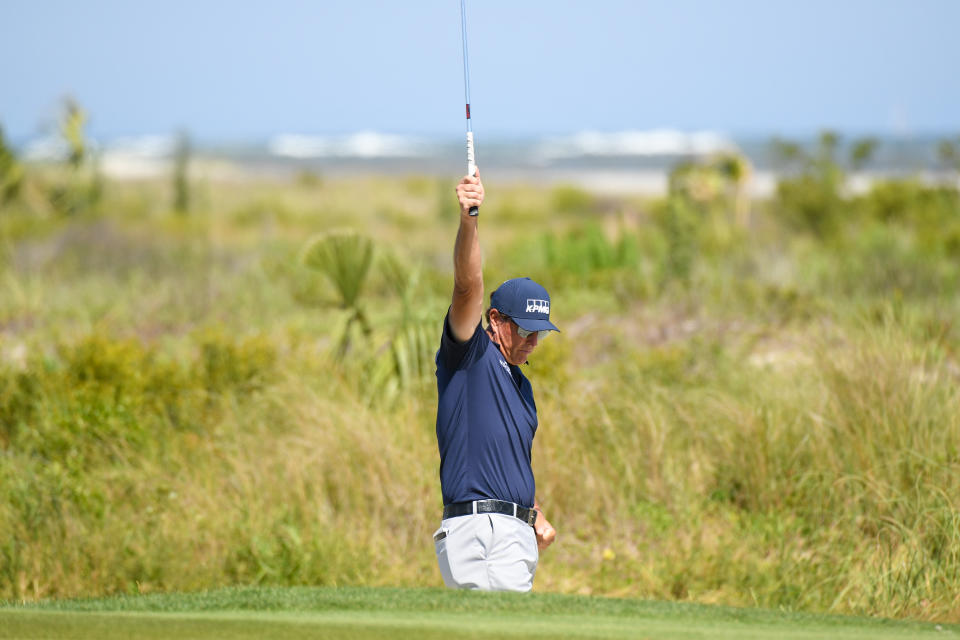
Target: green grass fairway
418, 613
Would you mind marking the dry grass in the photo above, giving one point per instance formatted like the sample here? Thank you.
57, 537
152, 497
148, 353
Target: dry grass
173, 416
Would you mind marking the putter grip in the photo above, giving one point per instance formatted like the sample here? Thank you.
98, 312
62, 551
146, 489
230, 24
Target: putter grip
471, 167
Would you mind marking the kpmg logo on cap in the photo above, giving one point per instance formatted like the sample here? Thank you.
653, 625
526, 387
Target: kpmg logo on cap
538, 306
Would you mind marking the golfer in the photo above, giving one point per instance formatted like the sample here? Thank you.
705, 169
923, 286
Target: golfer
492, 529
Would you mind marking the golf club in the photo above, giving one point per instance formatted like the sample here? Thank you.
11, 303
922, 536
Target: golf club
471, 160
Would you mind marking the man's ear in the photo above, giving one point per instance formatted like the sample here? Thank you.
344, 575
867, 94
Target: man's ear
494, 319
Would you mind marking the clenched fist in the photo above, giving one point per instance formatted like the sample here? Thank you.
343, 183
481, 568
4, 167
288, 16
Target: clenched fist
546, 534
470, 193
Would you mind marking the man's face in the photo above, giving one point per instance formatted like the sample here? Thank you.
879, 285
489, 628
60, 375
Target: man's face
515, 349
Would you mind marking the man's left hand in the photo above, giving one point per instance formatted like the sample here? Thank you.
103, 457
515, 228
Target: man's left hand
546, 534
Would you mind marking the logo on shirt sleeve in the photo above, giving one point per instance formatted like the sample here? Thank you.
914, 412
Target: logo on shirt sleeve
538, 306
503, 363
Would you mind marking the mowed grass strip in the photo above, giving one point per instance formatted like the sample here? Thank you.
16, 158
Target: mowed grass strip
364, 613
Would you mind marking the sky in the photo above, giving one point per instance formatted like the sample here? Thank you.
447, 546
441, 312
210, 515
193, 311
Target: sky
240, 70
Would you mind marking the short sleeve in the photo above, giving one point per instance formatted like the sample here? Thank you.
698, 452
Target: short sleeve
460, 355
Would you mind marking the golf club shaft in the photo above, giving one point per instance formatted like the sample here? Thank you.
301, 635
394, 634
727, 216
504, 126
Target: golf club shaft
471, 159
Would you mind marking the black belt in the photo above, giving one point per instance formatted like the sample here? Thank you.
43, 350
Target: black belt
490, 506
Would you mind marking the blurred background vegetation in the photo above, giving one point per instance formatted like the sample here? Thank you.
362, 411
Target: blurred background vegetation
753, 402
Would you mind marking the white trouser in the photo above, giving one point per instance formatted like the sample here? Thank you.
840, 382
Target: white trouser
488, 551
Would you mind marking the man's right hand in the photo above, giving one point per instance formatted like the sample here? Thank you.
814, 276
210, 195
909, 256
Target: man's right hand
470, 193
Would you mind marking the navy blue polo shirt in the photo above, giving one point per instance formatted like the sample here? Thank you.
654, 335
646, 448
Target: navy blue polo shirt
486, 420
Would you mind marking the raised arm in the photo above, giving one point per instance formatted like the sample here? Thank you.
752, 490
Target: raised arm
467, 306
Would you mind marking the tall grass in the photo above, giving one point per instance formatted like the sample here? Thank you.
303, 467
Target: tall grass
749, 417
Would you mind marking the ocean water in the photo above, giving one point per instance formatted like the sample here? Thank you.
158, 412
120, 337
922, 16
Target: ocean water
623, 161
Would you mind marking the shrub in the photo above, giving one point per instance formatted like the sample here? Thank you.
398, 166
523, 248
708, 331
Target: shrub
680, 223
231, 365
910, 202
811, 198
344, 257
812, 202
570, 199
181, 174
11, 173
587, 255
886, 259
80, 188
930, 213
